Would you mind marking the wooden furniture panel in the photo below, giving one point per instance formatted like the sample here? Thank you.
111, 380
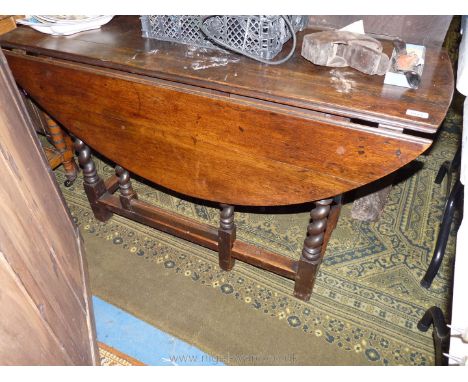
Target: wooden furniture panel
209, 145
22, 324
118, 45
41, 249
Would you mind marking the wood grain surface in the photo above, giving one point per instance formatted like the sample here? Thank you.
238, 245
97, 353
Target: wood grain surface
211, 145
344, 92
46, 315
7, 23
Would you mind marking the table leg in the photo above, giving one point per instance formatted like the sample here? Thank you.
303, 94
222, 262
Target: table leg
64, 145
318, 233
125, 186
103, 202
226, 237
93, 184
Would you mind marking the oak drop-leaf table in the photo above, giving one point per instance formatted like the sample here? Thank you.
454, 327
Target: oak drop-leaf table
227, 129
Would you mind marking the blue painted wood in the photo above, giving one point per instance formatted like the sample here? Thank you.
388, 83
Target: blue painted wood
144, 342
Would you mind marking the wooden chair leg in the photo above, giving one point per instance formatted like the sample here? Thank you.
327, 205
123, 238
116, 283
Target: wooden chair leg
63, 152
64, 145
94, 186
313, 249
226, 237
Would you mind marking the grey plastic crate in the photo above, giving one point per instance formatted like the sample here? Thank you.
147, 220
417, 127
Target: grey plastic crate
259, 36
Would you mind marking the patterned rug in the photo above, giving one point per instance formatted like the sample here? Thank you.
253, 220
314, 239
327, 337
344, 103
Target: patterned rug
367, 298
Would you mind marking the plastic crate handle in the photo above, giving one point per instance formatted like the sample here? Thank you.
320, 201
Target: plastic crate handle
224, 45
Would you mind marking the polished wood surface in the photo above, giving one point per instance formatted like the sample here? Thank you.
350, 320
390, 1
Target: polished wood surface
221, 127
208, 145
119, 45
46, 313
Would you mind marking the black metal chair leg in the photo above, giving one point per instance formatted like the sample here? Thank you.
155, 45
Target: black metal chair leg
447, 168
441, 333
443, 170
456, 161
443, 235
